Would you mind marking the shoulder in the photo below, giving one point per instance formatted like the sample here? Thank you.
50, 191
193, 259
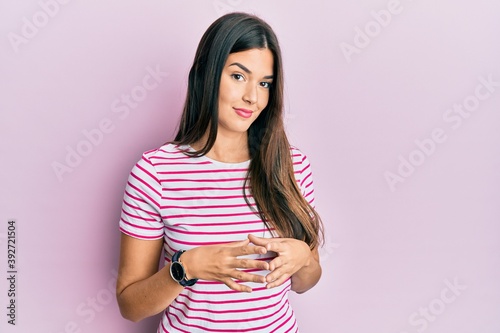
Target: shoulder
299, 159
303, 173
153, 161
161, 154
167, 150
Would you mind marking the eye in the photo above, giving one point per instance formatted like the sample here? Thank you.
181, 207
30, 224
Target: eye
238, 77
266, 85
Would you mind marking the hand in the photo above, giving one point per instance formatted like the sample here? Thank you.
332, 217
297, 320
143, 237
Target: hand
221, 263
292, 255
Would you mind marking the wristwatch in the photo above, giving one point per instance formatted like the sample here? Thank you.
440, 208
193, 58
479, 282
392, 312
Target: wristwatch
177, 271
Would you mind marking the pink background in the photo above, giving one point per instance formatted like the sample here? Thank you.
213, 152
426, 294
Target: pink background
392, 254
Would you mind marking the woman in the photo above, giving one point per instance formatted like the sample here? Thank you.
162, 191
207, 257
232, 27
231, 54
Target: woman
229, 203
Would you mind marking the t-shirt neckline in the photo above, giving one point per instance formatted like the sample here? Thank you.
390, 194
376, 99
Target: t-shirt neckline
206, 158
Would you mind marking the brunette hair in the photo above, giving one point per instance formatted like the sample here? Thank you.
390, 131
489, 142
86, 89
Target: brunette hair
278, 198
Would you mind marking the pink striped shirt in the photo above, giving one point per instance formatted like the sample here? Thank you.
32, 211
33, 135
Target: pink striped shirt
192, 202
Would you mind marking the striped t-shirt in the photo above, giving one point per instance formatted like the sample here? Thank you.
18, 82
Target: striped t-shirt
196, 201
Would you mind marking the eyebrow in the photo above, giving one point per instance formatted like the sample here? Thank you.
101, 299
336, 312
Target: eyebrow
247, 70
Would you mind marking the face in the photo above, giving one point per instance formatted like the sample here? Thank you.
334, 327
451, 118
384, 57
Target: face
244, 89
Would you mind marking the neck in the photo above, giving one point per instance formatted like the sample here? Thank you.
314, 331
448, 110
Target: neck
227, 148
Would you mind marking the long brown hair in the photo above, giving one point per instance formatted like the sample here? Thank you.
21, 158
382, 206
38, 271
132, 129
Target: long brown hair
278, 198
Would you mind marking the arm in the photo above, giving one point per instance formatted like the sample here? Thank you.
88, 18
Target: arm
307, 277
143, 291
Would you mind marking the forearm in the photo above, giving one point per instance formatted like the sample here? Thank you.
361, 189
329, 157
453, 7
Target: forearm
148, 297
307, 277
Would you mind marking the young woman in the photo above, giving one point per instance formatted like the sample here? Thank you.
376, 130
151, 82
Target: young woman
229, 203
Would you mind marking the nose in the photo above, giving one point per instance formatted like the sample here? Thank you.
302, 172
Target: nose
250, 95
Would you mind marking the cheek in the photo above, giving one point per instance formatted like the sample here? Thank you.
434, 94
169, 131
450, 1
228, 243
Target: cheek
263, 100
228, 91
223, 91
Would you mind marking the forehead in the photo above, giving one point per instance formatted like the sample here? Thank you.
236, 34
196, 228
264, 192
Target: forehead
258, 61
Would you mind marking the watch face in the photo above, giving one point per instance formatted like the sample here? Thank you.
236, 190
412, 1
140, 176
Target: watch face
177, 271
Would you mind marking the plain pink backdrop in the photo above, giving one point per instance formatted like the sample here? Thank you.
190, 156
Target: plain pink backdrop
361, 87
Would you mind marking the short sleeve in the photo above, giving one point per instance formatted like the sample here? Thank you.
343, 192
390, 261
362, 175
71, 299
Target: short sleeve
140, 215
304, 175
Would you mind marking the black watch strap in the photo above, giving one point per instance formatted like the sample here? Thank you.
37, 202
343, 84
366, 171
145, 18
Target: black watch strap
177, 271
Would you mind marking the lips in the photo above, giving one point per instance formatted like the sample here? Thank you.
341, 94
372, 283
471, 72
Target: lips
244, 112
